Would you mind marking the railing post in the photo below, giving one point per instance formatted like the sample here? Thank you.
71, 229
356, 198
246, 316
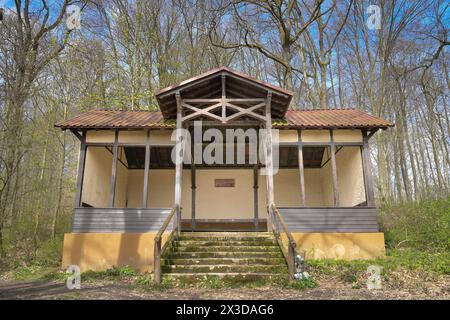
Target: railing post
291, 258
157, 260
178, 220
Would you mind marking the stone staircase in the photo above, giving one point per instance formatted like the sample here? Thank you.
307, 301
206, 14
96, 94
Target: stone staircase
241, 256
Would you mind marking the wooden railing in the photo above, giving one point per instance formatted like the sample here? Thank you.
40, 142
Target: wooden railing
279, 229
158, 251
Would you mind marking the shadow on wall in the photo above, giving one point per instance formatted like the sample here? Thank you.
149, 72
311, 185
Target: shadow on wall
341, 246
101, 251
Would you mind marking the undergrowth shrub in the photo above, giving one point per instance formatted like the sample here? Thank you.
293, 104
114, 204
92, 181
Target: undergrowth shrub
420, 225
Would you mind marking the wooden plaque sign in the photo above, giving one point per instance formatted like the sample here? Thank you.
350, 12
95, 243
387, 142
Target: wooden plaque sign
224, 183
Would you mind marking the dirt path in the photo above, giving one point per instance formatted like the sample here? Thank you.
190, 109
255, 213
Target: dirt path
122, 290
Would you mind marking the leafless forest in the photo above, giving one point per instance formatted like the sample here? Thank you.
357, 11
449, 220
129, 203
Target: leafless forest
331, 53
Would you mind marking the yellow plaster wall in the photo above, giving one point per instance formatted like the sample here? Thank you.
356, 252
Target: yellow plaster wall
100, 136
132, 136
161, 189
342, 246
97, 177
350, 177
347, 135
100, 251
315, 136
162, 137
318, 187
224, 203
288, 136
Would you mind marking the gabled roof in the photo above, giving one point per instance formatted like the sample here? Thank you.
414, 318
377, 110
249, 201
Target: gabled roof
209, 85
293, 119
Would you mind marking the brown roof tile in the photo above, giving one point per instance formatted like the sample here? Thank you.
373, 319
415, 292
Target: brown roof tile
304, 119
332, 118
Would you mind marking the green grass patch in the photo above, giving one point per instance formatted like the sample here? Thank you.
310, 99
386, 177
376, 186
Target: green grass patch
354, 272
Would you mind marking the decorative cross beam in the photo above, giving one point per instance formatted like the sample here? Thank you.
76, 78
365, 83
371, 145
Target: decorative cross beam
252, 106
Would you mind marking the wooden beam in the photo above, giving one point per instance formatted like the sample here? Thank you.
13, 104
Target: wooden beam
333, 170
232, 100
245, 112
223, 100
269, 163
193, 188
202, 112
255, 195
178, 161
146, 169
112, 192
301, 169
77, 134
80, 175
367, 170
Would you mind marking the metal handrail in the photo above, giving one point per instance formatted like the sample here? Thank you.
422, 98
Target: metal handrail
158, 251
291, 250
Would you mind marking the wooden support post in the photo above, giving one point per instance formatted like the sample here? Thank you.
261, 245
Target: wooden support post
291, 260
367, 171
178, 162
269, 160
223, 100
255, 195
333, 170
80, 175
112, 192
301, 170
157, 261
146, 170
193, 188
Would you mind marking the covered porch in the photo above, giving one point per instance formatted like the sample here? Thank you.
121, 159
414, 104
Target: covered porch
314, 177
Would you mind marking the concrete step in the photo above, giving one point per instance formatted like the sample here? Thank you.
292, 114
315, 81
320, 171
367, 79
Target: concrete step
226, 249
259, 242
240, 278
224, 268
232, 255
230, 233
225, 236
224, 261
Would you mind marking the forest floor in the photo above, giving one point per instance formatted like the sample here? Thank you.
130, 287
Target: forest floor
113, 290
405, 274
401, 284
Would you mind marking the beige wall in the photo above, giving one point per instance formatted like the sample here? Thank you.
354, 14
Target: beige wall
100, 136
162, 137
341, 246
318, 187
350, 176
214, 202
224, 203
101, 251
315, 136
132, 136
347, 135
288, 136
97, 177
